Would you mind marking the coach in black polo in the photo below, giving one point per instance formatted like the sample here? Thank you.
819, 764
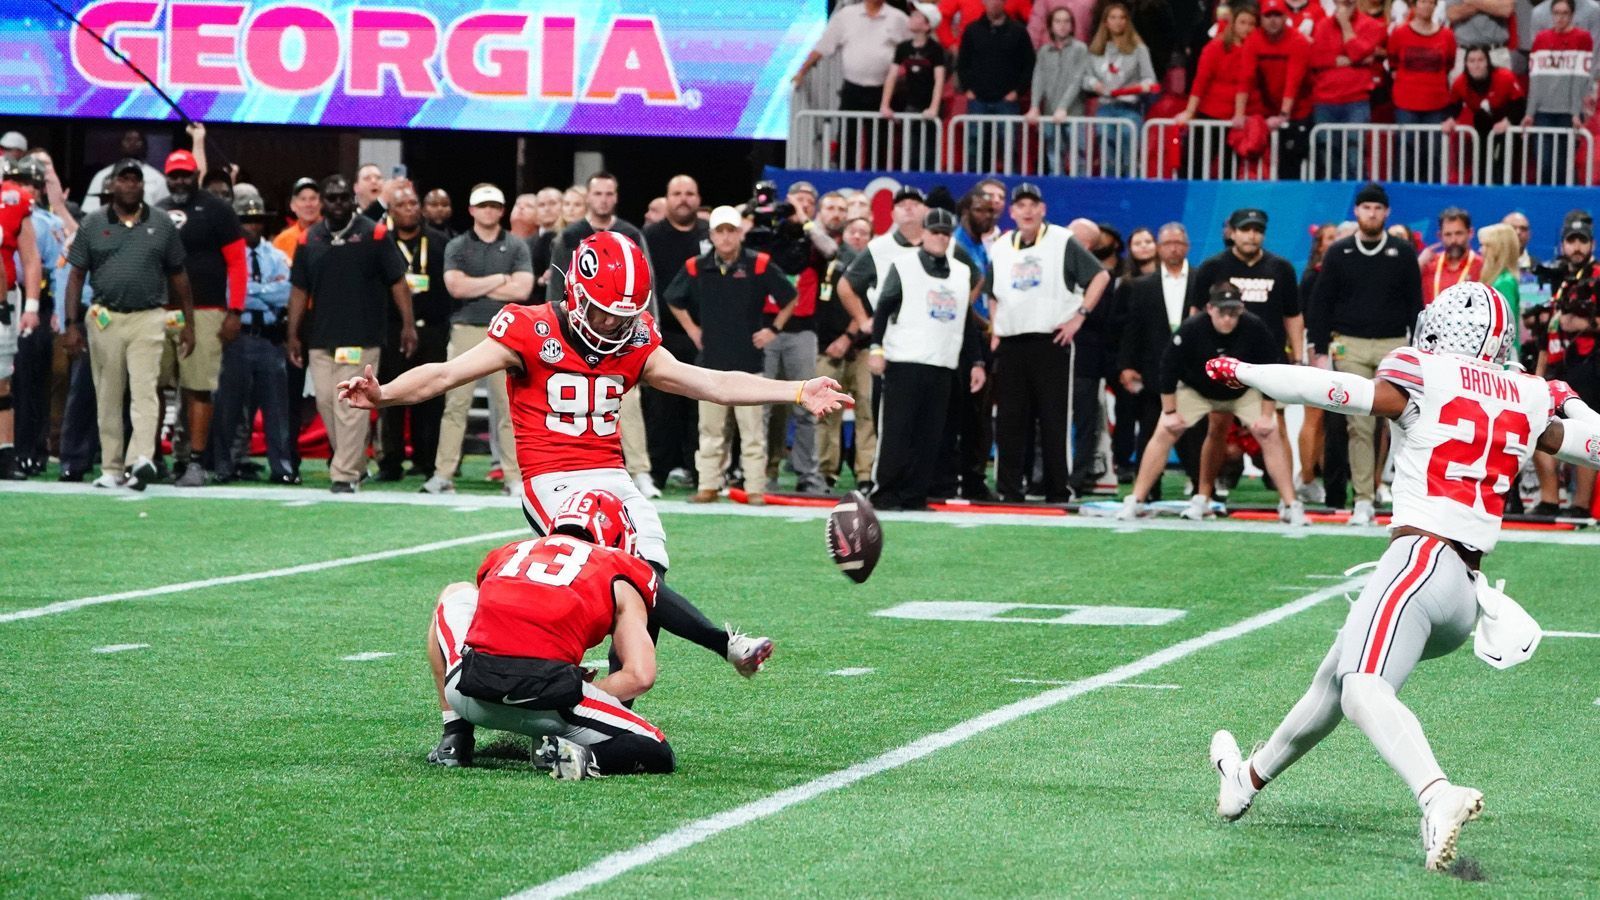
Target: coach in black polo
345, 273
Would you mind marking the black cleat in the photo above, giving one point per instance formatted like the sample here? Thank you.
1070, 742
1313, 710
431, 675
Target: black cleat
454, 751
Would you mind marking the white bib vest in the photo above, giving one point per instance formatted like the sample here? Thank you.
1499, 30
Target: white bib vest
885, 252
1030, 283
932, 319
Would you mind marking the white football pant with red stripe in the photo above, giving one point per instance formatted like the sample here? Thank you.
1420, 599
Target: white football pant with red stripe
1419, 604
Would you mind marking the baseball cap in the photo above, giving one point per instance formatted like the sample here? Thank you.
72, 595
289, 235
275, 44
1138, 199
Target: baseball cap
1274, 7
803, 187
1372, 193
29, 170
1225, 295
930, 11
13, 140
1243, 217
940, 220
1027, 191
910, 192
180, 161
304, 183
128, 165
1579, 228
249, 206
486, 193
725, 216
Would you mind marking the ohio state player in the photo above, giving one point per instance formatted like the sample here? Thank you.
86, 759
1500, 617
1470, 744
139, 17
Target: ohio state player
568, 365
19, 303
1467, 425
507, 652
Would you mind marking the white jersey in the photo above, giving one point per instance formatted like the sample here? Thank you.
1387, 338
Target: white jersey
1467, 430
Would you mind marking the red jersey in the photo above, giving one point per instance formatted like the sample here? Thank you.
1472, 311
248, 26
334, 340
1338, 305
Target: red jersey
1220, 78
1278, 68
15, 208
567, 400
1441, 273
550, 598
1421, 65
1305, 19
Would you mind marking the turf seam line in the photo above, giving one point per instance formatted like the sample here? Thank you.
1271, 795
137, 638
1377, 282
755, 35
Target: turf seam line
302, 569
695, 832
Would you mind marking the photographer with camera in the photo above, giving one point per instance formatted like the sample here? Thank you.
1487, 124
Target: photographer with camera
802, 248
1570, 353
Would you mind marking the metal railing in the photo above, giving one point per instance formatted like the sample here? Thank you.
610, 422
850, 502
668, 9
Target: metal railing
1083, 146
1539, 156
1383, 152
1077, 146
836, 141
1200, 150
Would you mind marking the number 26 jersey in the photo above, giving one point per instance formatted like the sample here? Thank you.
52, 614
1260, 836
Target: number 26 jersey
1465, 434
566, 403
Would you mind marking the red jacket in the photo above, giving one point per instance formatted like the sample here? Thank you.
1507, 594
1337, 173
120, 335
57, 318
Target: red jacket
1498, 100
1421, 67
1332, 83
1278, 68
1220, 78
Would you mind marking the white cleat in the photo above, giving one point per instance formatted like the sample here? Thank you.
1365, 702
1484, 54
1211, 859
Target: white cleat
1311, 493
1294, 514
1199, 509
748, 654
574, 762
1363, 514
1236, 792
437, 485
1131, 509
1450, 808
646, 486
107, 481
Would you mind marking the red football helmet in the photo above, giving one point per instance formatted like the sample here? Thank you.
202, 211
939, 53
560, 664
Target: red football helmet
600, 515
608, 288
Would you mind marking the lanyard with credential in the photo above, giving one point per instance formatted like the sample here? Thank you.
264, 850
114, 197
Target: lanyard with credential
422, 251
1438, 269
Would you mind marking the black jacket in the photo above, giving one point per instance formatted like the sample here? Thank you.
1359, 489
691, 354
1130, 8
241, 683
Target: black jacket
1146, 333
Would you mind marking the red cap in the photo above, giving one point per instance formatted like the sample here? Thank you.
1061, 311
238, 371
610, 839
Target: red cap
181, 161
1274, 6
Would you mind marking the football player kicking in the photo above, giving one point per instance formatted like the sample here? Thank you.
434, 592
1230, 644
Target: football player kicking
508, 651
568, 365
1467, 426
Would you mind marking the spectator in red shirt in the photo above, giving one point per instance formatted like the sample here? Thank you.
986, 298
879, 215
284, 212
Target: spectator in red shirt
1304, 17
1343, 50
1420, 56
1488, 99
1222, 85
1277, 58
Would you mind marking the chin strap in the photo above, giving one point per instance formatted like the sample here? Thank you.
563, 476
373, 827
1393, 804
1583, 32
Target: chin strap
1339, 392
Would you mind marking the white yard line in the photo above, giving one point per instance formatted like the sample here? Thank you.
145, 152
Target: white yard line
313, 496
1572, 634
368, 656
852, 672
700, 830
119, 648
1148, 687
303, 569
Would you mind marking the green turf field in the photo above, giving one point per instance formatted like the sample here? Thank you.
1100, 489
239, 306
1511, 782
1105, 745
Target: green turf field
240, 753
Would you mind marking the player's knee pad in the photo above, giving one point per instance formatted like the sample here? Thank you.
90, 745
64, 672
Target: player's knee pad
1359, 690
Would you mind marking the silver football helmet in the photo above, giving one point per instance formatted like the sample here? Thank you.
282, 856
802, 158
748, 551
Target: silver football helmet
1467, 319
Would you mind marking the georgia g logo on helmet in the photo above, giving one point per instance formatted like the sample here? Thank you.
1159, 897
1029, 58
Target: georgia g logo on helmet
588, 262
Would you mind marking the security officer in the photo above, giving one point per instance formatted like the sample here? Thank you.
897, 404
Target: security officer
922, 333
859, 288
253, 366
422, 246
1044, 285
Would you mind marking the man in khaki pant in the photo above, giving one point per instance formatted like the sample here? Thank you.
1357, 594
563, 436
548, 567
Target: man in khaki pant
345, 273
485, 268
719, 299
842, 360
132, 259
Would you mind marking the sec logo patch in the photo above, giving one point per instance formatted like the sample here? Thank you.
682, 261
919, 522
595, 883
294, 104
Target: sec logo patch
551, 352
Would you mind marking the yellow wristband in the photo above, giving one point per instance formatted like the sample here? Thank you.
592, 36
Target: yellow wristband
800, 392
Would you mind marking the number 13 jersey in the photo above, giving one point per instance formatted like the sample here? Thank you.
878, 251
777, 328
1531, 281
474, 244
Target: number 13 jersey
566, 403
1465, 434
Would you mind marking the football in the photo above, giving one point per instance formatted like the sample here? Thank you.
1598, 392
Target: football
855, 539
